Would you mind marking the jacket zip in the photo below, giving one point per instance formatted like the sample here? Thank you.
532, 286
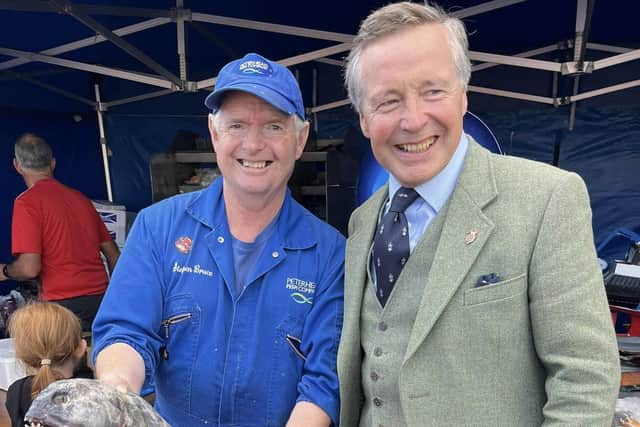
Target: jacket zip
173, 320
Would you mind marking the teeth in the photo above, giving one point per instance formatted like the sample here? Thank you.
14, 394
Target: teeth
417, 148
255, 165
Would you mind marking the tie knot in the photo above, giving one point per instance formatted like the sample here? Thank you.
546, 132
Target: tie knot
402, 199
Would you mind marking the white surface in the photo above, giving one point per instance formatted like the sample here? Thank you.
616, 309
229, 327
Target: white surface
114, 218
10, 368
629, 270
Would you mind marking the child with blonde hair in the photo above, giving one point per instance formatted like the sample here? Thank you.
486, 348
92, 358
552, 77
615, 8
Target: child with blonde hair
47, 338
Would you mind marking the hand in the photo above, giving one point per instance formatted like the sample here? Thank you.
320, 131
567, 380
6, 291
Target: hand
116, 381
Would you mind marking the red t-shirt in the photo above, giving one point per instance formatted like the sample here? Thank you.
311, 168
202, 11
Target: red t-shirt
61, 225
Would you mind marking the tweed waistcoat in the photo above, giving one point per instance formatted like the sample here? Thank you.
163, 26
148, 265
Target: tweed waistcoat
385, 334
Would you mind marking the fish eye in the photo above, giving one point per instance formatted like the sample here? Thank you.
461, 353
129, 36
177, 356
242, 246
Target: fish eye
60, 398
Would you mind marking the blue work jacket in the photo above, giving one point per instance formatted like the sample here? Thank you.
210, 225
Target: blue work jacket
216, 357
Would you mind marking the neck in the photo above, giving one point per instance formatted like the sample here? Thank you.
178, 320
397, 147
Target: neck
247, 217
67, 367
30, 179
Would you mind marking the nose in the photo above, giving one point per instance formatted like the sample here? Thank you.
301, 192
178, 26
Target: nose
254, 140
414, 115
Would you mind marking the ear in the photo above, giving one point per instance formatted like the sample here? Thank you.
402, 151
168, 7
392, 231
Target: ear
364, 125
213, 132
302, 137
464, 103
81, 350
53, 164
16, 166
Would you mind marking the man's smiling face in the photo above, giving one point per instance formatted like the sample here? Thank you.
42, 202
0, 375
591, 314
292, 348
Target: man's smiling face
413, 102
256, 145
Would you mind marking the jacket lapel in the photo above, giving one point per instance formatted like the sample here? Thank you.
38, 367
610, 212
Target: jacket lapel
357, 262
361, 228
465, 231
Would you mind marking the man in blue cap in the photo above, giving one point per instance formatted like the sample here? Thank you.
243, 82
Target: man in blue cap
230, 298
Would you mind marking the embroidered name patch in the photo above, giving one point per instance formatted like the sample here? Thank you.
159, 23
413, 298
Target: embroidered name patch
196, 269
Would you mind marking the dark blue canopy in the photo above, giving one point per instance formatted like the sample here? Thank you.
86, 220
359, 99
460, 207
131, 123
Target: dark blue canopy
148, 92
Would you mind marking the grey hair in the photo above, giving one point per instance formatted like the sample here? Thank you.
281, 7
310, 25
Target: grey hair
297, 121
32, 152
393, 18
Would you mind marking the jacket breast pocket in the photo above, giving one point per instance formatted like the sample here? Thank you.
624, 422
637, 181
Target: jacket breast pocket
497, 291
180, 330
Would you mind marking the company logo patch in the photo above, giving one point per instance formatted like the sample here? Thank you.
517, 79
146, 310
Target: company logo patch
304, 290
255, 67
301, 299
183, 244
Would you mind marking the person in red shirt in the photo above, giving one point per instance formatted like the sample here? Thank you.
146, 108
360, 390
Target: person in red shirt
57, 235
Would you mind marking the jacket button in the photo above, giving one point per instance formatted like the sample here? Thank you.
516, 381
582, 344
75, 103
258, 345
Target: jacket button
377, 352
382, 326
220, 239
377, 401
374, 376
275, 254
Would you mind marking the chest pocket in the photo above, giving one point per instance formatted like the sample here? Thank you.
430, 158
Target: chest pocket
506, 290
181, 333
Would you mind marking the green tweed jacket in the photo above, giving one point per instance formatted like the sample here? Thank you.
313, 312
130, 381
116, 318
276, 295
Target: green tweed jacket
535, 348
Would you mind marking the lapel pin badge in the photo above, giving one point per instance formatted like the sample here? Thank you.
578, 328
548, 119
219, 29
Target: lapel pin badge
470, 237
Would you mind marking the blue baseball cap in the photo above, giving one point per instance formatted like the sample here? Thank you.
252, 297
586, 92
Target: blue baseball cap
261, 77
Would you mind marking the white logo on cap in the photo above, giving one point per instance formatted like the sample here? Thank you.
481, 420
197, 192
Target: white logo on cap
254, 67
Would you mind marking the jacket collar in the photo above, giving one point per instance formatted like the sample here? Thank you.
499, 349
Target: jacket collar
477, 177
293, 226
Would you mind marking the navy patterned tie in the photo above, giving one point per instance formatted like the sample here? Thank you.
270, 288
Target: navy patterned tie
391, 244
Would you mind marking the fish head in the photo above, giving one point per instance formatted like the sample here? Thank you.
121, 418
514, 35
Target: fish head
76, 403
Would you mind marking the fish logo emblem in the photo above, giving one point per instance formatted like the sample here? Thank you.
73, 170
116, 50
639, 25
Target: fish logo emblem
300, 298
183, 244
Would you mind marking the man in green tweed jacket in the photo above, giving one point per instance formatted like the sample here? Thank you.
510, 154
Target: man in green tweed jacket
499, 315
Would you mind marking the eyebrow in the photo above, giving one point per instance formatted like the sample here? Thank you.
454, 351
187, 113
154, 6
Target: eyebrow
425, 84
377, 97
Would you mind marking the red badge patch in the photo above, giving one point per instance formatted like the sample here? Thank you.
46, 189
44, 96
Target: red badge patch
183, 244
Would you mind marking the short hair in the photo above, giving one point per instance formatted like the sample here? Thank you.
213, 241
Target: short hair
32, 152
44, 331
393, 18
